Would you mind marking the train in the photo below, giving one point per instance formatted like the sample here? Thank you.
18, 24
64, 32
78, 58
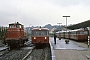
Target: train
15, 35
78, 34
40, 36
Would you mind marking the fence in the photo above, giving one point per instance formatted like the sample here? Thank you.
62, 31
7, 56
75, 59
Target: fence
2, 31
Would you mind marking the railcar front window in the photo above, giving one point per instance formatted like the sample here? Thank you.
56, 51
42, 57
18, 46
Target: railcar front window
18, 26
81, 32
11, 26
40, 33
86, 32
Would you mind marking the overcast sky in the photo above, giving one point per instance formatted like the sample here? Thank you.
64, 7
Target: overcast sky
42, 12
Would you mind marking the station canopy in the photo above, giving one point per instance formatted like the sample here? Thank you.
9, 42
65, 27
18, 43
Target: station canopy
80, 25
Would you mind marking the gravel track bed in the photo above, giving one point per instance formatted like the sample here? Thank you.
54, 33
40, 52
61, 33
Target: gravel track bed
41, 53
15, 54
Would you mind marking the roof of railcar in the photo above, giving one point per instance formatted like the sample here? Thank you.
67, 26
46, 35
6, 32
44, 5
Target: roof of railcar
70, 30
40, 29
77, 30
60, 31
15, 23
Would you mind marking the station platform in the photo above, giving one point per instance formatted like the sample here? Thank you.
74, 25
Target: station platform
71, 51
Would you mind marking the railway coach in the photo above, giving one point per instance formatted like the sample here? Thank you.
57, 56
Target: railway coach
40, 36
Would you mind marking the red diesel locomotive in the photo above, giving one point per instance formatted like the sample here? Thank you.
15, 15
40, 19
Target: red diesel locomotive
15, 35
40, 36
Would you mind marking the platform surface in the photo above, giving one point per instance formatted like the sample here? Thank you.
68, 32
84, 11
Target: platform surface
72, 51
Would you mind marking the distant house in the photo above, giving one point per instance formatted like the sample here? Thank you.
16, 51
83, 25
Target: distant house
52, 30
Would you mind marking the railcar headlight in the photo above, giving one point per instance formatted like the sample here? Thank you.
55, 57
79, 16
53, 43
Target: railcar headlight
34, 37
45, 37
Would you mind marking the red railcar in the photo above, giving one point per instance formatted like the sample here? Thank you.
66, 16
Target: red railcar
67, 34
15, 35
60, 34
40, 36
79, 35
63, 34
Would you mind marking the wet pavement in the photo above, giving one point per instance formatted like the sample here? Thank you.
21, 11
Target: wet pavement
61, 44
70, 51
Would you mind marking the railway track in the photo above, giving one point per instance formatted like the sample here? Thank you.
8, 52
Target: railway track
25, 57
4, 51
40, 53
25, 53
15, 54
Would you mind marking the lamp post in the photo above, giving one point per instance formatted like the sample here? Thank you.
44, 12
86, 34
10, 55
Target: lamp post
59, 31
89, 37
66, 21
67, 41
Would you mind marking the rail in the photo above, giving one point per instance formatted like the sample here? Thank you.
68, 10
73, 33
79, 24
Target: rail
28, 54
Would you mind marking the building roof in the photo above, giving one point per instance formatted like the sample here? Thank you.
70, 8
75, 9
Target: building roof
80, 25
40, 29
